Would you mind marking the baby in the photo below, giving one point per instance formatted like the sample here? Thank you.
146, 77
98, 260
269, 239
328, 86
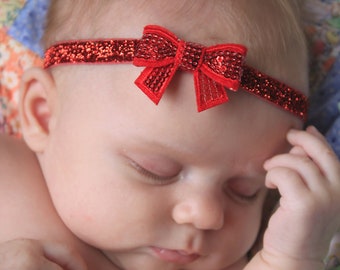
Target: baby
105, 179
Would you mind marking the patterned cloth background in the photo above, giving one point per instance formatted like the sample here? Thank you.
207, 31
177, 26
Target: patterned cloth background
323, 28
21, 27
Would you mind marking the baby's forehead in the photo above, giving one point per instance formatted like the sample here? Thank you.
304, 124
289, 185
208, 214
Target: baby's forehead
217, 19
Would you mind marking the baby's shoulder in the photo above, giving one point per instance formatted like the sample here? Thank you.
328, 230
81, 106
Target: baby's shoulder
26, 210
14, 154
18, 165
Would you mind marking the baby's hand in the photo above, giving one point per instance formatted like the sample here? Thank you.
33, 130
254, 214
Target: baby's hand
308, 179
24, 254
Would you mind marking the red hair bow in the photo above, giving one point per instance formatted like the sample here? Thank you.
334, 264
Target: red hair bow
215, 68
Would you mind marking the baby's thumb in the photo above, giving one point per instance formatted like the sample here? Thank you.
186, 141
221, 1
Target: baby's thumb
64, 256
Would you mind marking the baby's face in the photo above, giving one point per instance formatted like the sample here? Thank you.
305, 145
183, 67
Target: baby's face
159, 187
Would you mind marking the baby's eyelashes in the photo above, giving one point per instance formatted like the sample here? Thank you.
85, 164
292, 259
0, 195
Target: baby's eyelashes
154, 167
149, 175
243, 189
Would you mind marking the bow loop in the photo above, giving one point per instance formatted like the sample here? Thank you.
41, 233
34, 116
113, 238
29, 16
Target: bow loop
224, 64
155, 48
215, 68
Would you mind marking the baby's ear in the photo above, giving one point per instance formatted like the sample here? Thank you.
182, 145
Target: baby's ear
36, 107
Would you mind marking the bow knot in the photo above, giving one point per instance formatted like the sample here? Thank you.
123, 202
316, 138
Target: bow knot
215, 68
191, 56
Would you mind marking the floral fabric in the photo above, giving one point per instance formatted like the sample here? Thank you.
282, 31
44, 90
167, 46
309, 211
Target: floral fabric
14, 60
21, 27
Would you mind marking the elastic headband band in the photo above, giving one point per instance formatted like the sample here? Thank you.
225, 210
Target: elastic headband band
162, 53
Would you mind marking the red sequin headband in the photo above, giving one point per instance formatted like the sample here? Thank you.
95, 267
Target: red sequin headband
162, 53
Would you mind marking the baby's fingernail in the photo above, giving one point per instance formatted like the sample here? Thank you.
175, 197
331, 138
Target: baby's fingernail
312, 129
266, 163
292, 131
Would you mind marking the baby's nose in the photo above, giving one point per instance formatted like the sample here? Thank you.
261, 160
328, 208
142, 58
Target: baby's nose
204, 211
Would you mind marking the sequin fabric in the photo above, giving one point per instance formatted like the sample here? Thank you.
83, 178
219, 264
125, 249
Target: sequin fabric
226, 63
162, 53
100, 51
192, 56
274, 91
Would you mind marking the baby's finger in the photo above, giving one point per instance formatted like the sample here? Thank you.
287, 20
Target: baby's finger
67, 258
298, 150
287, 181
23, 264
308, 172
313, 130
318, 150
24, 254
27, 254
45, 265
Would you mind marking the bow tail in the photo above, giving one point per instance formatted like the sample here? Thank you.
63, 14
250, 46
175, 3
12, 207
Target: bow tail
154, 80
209, 93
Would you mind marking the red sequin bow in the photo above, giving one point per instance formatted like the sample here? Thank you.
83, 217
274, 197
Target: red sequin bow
215, 68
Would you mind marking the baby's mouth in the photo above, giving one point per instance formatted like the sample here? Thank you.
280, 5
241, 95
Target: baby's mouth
175, 256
